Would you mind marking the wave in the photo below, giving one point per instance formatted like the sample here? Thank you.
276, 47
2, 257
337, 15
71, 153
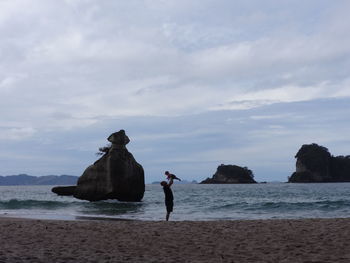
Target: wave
283, 206
32, 204
101, 207
320, 205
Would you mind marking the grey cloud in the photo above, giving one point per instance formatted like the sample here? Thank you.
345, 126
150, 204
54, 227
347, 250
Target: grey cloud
74, 69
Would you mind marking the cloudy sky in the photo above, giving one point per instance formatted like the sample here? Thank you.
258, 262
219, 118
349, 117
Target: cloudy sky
194, 83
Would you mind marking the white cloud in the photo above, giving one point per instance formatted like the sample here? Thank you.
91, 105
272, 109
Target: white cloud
105, 63
270, 117
285, 94
16, 133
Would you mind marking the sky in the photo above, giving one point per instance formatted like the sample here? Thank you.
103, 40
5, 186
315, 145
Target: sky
194, 84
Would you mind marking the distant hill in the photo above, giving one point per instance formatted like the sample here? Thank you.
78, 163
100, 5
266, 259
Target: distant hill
24, 179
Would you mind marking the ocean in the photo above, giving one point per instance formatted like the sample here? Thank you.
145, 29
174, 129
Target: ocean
192, 202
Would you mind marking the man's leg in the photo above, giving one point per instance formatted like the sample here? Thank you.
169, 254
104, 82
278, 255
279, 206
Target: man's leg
167, 216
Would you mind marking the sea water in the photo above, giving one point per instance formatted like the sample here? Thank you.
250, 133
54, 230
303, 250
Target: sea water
192, 202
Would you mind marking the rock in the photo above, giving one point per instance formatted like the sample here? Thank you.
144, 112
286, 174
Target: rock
231, 174
116, 175
316, 165
64, 190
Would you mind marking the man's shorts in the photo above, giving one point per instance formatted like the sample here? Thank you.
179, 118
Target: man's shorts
169, 205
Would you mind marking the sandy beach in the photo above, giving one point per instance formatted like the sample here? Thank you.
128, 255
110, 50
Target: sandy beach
308, 240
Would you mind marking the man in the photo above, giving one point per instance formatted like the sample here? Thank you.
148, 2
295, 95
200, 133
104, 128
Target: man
169, 198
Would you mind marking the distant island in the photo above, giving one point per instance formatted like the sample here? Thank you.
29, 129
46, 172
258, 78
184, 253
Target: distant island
24, 179
231, 174
316, 165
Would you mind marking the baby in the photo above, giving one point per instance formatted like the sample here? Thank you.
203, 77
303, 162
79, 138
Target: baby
171, 177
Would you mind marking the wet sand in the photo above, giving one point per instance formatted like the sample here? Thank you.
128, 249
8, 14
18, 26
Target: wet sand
307, 240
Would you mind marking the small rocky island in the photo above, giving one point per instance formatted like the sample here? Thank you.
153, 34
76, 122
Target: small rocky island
231, 174
316, 165
116, 175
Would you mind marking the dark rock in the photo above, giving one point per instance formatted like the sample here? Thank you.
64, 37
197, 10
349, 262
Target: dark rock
316, 165
64, 190
116, 175
231, 174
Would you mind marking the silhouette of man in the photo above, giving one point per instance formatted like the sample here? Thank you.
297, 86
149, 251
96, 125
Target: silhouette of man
169, 198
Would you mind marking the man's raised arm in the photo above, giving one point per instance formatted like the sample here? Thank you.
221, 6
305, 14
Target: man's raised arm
171, 182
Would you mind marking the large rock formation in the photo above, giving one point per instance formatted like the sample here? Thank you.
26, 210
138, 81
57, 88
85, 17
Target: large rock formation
116, 175
231, 174
316, 165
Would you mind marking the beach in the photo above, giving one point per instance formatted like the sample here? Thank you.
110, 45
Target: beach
305, 240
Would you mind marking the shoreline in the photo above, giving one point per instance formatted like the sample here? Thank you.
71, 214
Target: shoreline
270, 240
73, 218
66, 217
